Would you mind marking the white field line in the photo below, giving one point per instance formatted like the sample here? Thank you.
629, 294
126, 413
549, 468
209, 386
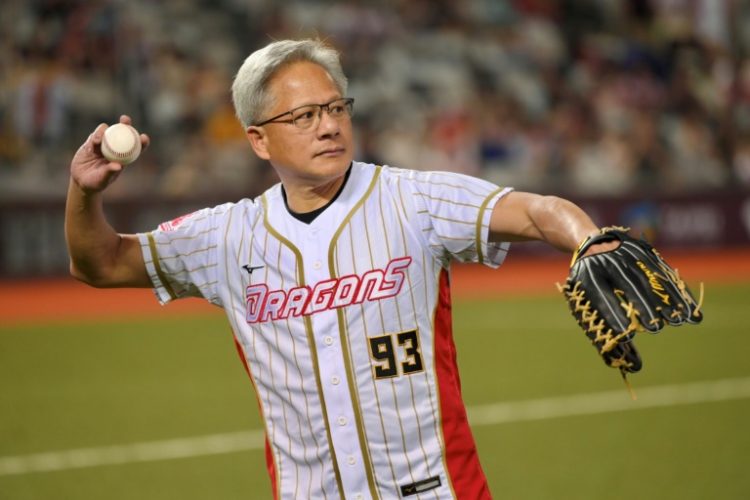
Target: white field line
491, 414
214, 444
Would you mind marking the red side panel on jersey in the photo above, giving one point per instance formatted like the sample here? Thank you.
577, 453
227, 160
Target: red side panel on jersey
269, 455
464, 469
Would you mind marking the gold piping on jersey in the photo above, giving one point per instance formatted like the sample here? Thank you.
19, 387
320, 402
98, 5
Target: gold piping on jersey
480, 216
307, 406
157, 266
310, 339
424, 369
400, 322
372, 380
289, 393
383, 328
344, 345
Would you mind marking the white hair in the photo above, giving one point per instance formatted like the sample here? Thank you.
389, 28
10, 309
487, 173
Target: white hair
250, 88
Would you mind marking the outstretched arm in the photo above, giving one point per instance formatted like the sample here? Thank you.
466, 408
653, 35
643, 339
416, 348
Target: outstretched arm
99, 255
526, 216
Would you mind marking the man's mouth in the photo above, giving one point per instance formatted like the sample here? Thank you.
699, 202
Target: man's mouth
330, 152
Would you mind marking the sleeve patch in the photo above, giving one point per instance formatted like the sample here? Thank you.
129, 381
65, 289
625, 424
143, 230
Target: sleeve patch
175, 223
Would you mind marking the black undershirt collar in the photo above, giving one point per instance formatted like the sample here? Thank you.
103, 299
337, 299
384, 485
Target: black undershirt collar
308, 217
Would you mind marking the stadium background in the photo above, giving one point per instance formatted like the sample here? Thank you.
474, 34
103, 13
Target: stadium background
639, 110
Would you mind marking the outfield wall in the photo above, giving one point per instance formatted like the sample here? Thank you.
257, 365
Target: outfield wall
32, 242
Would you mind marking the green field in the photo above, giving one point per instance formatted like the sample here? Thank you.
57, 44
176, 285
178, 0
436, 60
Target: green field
92, 385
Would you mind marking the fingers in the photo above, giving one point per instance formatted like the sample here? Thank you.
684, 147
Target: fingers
91, 149
98, 133
114, 167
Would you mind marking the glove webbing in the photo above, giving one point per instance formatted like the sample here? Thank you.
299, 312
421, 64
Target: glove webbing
596, 325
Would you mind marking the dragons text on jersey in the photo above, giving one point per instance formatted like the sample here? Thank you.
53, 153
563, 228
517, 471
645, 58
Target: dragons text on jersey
376, 284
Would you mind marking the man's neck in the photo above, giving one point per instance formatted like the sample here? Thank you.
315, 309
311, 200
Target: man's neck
303, 198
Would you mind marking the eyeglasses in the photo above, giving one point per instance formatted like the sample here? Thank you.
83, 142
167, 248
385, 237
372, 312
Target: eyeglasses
308, 116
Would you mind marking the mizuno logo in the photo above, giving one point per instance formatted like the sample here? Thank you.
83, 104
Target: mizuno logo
250, 269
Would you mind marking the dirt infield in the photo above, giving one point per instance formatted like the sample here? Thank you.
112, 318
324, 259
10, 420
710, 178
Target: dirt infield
65, 299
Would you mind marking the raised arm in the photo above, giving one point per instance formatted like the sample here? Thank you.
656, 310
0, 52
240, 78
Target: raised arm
99, 256
526, 216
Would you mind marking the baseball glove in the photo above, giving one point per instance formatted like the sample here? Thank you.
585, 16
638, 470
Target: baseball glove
616, 293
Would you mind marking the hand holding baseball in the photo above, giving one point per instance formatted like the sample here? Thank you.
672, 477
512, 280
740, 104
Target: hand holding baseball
121, 143
100, 159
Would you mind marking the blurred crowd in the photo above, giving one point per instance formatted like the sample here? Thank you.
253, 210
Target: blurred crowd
591, 97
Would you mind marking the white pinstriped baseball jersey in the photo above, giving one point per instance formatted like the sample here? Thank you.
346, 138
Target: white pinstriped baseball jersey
344, 325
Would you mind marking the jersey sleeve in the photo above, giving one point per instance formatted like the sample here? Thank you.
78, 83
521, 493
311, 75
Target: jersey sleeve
454, 213
181, 255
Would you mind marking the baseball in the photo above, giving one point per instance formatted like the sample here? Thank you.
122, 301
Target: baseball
121, 144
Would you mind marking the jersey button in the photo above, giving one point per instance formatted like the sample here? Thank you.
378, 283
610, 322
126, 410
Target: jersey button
317, 264
335, 380
359, 496
351, 461
328, 340
342, 420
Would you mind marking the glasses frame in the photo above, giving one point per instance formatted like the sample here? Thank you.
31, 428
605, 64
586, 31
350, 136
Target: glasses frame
348, 103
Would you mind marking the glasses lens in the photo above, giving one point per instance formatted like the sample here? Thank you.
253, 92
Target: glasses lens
304, 117
338, 109
307, 116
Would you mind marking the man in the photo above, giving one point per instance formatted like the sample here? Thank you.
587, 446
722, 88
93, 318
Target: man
335, 283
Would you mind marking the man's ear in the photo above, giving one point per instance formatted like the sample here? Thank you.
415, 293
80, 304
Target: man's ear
258, 140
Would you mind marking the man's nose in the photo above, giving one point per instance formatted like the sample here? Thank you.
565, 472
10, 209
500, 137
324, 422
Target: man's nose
327, 125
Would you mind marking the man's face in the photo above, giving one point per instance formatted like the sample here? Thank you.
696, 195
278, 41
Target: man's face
310, 156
